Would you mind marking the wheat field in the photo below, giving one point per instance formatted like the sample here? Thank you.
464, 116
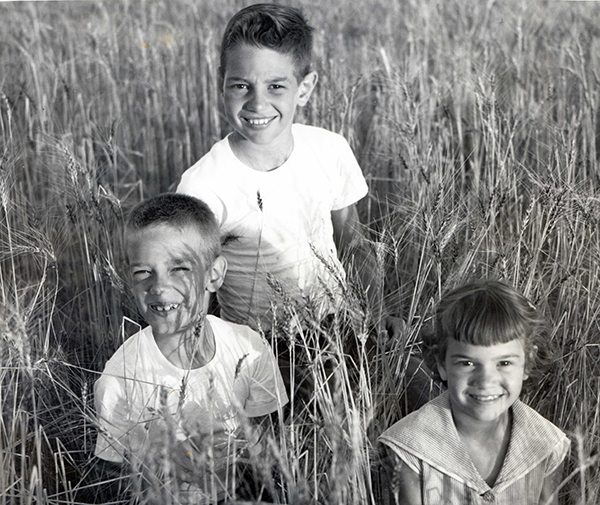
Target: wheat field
476, 126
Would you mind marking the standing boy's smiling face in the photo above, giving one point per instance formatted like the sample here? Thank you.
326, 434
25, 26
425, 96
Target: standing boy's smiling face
483, 381
261, 93
169, 280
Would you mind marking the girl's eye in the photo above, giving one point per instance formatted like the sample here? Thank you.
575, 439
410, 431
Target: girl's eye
505, 363
465, 363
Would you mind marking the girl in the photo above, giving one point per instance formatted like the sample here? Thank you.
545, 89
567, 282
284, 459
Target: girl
477, 443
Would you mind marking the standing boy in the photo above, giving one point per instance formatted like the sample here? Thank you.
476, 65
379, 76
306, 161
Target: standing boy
174, 398
284, 194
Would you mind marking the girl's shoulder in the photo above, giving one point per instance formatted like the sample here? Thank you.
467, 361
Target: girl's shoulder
530, 422
422, 428
533, 434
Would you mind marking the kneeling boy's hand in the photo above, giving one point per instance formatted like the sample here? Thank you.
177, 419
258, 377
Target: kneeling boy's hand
201, 453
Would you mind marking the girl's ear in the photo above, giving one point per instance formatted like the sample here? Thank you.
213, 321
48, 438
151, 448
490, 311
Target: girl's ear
530, 360
306, 87
216, 274
440, 363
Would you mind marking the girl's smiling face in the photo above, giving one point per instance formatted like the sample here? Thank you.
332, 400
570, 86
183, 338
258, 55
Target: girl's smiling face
483, 381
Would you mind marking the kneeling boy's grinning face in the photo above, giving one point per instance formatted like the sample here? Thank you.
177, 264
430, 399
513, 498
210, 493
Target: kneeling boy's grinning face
261, 93
483, 381
169, 278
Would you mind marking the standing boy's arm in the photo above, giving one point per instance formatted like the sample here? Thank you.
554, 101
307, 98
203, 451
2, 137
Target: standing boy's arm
359, 260
549, 494
345, 223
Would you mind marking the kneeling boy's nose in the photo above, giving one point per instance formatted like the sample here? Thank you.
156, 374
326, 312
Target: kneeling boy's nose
157, 285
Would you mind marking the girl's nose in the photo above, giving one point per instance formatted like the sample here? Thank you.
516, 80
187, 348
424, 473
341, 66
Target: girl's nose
485, 376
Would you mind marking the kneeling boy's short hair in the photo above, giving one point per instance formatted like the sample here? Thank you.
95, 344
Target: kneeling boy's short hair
277, 27
178, 210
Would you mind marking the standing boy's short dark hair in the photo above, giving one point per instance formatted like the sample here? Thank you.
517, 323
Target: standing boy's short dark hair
178, 210
278, 27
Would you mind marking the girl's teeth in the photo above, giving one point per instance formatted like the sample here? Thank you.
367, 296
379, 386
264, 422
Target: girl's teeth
487, 398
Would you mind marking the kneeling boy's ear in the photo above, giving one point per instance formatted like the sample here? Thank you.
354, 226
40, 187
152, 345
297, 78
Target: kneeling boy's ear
216, 274
306, 86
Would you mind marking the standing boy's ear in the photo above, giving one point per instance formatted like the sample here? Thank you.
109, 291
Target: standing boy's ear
306, 87
216, 274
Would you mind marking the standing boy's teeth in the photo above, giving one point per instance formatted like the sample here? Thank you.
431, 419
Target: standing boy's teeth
258, 121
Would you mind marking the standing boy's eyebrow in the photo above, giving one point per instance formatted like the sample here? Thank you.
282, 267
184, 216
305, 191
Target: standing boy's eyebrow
270, 79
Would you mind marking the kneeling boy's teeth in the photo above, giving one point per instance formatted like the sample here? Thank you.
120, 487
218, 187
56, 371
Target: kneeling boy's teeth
165, 308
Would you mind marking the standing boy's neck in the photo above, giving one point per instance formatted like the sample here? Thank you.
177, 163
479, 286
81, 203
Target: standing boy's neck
259, 157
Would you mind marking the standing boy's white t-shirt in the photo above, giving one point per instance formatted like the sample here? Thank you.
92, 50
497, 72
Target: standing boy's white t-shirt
278, 223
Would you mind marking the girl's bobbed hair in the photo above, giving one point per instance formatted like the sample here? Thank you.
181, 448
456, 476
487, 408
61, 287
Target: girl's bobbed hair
484, 312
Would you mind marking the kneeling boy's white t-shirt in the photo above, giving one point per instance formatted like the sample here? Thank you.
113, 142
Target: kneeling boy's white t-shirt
143, 400
278, 224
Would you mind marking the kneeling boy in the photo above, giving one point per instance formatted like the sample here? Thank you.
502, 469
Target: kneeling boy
176, 395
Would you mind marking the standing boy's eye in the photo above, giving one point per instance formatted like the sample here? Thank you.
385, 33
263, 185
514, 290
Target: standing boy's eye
505, 363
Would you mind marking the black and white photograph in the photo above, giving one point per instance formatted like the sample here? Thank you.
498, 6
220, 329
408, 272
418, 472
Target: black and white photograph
300, 252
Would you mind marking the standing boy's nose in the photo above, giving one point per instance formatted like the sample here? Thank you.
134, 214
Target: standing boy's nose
256, 101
